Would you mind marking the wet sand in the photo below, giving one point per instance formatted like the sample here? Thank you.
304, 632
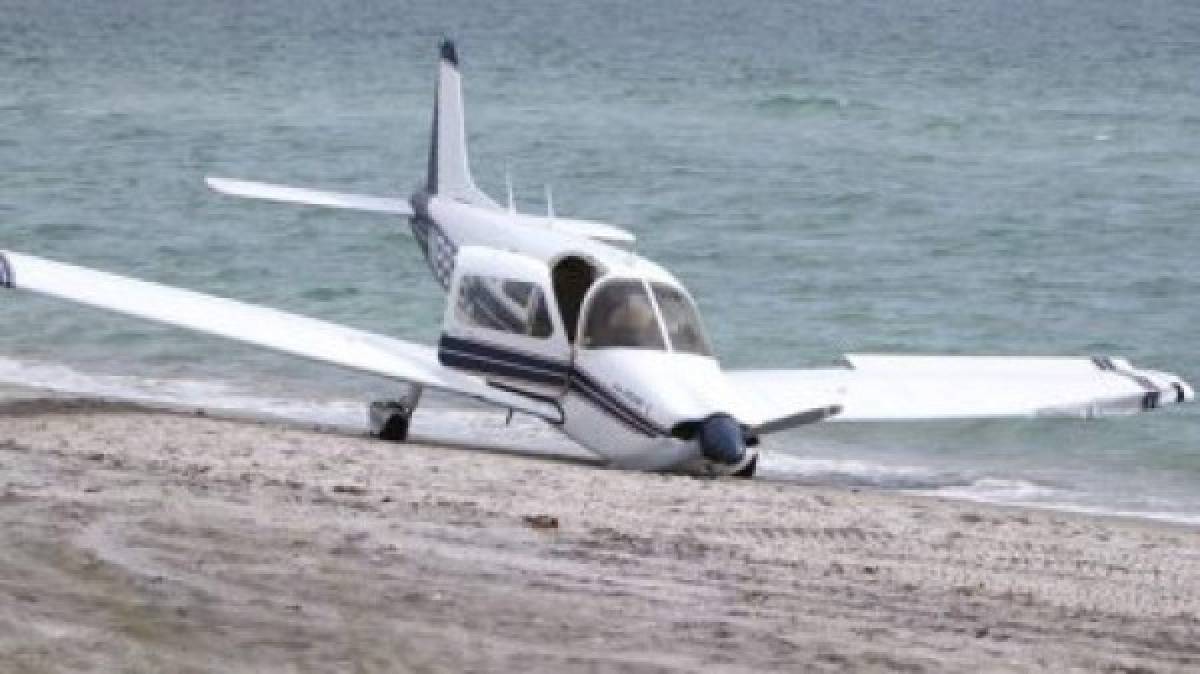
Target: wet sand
137, 541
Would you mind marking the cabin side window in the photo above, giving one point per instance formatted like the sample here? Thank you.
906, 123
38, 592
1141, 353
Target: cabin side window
505, 305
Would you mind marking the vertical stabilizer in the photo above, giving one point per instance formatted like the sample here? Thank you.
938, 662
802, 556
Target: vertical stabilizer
449, 172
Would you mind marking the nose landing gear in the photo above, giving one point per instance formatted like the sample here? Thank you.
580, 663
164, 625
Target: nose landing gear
747, 471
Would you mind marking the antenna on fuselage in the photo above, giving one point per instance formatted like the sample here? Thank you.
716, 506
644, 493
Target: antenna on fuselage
512, 201
549, 202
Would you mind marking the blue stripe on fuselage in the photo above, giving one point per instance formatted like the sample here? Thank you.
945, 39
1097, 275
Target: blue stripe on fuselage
498, 361
463, 353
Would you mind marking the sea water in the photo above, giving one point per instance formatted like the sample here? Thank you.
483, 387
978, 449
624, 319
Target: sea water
934, 177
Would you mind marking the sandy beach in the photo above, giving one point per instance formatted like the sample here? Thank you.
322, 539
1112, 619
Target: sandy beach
139, 541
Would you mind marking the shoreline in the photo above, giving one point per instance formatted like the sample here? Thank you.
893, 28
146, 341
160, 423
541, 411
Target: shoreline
139, 540
21, 399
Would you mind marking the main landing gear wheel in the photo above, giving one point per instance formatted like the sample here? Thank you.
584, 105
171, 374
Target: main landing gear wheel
390, 419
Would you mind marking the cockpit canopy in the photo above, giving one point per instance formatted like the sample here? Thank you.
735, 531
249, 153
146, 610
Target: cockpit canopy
636, 314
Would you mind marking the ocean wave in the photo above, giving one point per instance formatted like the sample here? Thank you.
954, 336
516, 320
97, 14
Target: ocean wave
814, 104
188, 393
439, 421
955, 485
1029, 495
997, 490
854, 473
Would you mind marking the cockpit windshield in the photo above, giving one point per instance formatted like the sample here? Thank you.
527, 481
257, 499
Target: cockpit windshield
682, 321
622, 314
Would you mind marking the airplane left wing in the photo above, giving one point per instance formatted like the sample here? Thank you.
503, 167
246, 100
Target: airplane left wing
898, 388
297, 335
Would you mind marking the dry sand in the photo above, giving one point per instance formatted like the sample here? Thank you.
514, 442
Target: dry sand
148, 542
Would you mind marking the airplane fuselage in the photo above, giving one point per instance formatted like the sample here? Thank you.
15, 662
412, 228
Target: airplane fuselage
638, 407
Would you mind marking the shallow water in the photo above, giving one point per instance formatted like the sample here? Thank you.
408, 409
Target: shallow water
826, 177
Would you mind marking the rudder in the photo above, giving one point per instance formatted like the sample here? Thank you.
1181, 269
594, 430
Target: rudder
449, 171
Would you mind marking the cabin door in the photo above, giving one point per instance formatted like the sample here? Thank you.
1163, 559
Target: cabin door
502, 322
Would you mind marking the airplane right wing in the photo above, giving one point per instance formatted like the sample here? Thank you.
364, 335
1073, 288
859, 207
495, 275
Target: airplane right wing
899, 388
309, 338
305, 195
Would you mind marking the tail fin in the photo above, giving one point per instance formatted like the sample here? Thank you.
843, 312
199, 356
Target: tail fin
449, 172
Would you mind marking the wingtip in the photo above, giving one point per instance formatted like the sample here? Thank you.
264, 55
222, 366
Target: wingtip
221, 185
6, 277
448, 52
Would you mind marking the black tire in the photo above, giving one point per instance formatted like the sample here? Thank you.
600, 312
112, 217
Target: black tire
395, 429
747, 471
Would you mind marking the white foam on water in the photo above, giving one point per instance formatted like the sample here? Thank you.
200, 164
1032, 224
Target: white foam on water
851, 472
996, 490
435, 421
952, 485
1029, 495
201, 394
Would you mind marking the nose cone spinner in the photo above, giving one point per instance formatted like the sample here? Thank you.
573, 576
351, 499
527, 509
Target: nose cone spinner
721, 440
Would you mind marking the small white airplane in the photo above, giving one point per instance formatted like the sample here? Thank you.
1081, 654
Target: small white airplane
559, 319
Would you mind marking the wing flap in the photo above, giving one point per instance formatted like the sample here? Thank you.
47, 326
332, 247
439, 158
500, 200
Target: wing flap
312, 197
896, 388
272, 329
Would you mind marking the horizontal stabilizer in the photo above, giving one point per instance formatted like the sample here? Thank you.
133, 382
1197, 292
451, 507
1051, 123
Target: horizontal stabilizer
587, 229
311, 197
